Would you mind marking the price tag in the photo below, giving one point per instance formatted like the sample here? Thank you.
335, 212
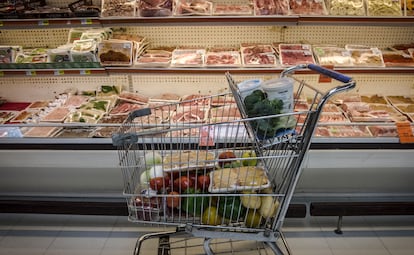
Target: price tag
1, 23
1, 74
86, 22
43, 22
324, 78
31, 73
405, 132
85, 72
59, 72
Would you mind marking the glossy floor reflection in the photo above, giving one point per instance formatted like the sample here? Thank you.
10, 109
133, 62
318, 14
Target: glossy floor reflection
28, 234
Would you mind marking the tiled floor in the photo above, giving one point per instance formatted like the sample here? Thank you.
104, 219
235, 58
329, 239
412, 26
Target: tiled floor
27, 234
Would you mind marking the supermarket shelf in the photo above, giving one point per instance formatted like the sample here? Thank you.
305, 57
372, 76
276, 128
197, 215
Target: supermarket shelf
51, 72
48, 23
206, 20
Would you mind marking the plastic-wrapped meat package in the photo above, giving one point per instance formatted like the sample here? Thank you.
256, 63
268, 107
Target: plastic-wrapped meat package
233, 9
155, 8
193, 7
397, 58
346, 8
118, 8
223, 59
294, 54
367, 57
271, 7
307, 7
258, 55
334, 56
188, 57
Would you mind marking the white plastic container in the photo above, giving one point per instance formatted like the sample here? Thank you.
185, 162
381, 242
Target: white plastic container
248, 86
280, 88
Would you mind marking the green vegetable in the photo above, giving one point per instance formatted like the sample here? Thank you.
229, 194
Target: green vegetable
231, 208
194, 205
100, 105
257, 104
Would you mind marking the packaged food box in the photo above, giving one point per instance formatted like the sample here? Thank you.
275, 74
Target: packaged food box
307, 7
223, 59
84, 116
188, 57
271, 7
346, 8
384, 8
35, 55
397, 59
366, 57
193, 7
155, 8
332, 56
58, 56
8, 54
118, 8
115, 52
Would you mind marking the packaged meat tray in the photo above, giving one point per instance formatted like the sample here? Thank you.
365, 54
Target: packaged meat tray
366, 57
41, 132
75, 101
23, 116
188, 58
361, 112
330, 108
154, 58
84, 116
346, 8
118, 8
373, 99
190, 114
193, 7
14, 106
257, 55
124, 108
383, 131
74, 133
348, 131
333, 56
333, 117
187, 160
38, 105
307, 7
384, 8
57, 114
271, 7
133, 97
97, 105
322, 132
232, 9
295, 57
400, 100
223, 59
115, 52
238, 179
202, 101
6, 116
155, 8
397, 59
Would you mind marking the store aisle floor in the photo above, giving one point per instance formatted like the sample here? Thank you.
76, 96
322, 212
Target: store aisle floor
27, 234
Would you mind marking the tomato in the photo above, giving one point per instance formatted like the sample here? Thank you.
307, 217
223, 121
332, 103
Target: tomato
182, 183
173, 201
159, 183
203, 182
223, 158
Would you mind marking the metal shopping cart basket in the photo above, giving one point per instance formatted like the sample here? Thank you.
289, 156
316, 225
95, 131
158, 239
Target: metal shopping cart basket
213, 168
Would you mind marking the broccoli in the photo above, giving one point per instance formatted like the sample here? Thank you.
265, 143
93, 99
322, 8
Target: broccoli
257, 104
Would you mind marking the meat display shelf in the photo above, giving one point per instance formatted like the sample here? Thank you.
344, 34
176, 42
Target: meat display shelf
205, 20
48, 23
51, 72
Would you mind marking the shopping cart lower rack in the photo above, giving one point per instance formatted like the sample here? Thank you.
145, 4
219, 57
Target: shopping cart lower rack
215, 169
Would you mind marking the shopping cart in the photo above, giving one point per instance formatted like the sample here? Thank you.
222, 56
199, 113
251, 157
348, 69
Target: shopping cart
211, 169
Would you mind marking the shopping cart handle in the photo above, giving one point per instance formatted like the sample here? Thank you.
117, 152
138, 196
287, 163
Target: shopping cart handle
330, 73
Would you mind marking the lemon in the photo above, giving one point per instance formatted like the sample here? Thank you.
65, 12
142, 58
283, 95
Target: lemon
210, 216
253, 219
251, 158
